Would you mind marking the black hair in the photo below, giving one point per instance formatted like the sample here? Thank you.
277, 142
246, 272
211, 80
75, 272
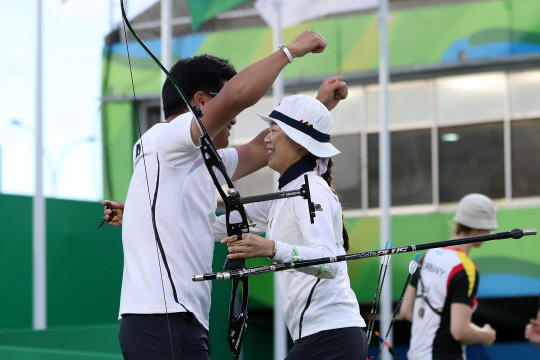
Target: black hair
327, 176
199, 73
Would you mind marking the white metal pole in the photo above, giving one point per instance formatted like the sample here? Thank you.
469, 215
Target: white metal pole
39, 236
280, 328
278, 86
384, 171
507, 141
166, 41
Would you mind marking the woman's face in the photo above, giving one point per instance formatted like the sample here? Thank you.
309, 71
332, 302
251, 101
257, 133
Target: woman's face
282, 151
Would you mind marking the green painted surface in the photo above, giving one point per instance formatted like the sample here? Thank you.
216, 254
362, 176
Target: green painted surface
119, 133
203, 10
31, 353
240, 47
16, 261
84, 264
512, 257
84, 270
98, 338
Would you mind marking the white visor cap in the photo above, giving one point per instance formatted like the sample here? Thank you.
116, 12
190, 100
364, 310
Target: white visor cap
307, 122
476, 211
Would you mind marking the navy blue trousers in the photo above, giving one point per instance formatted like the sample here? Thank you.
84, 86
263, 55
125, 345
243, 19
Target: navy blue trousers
339, 344
147, 337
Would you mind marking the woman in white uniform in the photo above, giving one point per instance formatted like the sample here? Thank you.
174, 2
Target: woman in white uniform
320, 308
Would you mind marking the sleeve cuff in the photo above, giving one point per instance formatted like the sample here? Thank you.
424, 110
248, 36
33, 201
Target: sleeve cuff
284, 253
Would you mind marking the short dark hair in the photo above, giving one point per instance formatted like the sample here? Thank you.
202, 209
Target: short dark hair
199, 73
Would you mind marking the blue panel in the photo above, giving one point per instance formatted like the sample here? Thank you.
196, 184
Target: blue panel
188, 46
507, 285
182, 47
503, 351
488, 50
498, 351
136, 50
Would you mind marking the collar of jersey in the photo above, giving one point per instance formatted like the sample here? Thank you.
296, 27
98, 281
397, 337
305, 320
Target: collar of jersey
453, 248
302, 166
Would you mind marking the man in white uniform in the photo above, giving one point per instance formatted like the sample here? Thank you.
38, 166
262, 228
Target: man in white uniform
171, 202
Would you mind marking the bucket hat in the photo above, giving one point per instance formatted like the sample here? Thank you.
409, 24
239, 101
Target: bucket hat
307, 122
476, 211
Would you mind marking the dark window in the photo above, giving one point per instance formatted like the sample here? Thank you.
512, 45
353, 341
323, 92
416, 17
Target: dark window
347, 170
373, 170
411, 167
471, 159
153, 116
526, 158
149, 115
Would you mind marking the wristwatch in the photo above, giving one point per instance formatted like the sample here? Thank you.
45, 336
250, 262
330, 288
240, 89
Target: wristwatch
287, 52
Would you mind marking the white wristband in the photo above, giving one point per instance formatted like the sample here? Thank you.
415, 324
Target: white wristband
287, 52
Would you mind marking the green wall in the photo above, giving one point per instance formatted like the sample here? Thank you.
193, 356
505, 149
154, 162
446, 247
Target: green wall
119, 134
16, 261
84, 264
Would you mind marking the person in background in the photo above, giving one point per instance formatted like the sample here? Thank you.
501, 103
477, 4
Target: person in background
441, 297
320, 308
532, 330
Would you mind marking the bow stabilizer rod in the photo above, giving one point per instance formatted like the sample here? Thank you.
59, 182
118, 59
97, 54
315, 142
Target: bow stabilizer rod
235, 274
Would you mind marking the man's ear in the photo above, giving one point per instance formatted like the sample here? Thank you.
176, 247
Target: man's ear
198, 99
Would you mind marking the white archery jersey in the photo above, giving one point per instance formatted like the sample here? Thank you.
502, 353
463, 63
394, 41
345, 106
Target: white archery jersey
445, 276
315, 298
185, 202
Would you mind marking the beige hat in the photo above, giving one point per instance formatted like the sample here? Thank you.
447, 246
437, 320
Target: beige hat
476, 211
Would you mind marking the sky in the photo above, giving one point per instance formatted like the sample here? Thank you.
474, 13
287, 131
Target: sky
73, 33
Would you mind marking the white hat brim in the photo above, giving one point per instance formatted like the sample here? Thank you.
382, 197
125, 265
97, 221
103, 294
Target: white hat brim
319, 149
476, 223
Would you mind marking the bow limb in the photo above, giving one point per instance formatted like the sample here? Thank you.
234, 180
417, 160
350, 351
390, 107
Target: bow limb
413, 265
195, 110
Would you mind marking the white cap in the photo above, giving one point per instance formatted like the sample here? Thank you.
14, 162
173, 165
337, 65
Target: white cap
307, 122
476, 211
